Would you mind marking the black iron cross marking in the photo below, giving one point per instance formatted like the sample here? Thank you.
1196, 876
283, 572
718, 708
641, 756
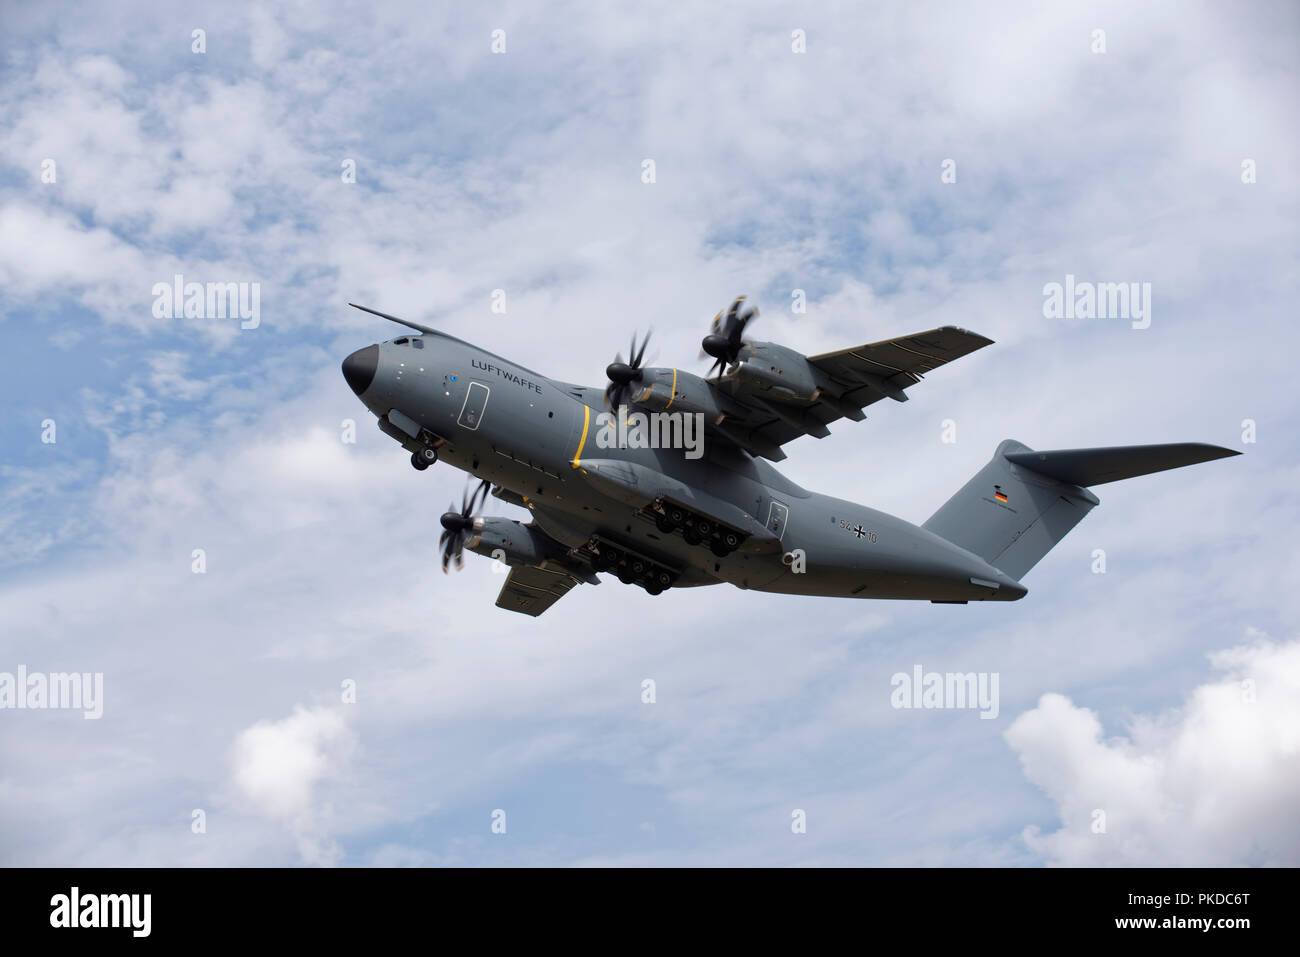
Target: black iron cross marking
859, 531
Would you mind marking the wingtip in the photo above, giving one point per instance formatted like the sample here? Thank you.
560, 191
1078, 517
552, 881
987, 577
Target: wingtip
968, 332
1210, 451
1223, 452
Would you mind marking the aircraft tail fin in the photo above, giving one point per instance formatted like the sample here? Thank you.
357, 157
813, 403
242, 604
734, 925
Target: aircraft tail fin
1023, 502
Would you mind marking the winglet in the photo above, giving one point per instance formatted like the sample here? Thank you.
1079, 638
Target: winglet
404, 322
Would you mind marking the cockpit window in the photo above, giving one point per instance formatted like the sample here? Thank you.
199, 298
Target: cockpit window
417, 342
401, 342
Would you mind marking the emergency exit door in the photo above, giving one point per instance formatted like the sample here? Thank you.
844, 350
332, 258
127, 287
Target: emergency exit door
471, 413
777, 515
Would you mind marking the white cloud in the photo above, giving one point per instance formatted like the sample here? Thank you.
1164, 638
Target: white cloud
280, 767
1215, 782
169, 377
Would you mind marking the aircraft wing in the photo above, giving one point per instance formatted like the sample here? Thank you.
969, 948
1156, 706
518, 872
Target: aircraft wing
848, 381
531, 589
899, 362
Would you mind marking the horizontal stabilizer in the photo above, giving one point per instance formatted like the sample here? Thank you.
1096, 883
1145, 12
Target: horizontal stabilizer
1098, 466
1015, 509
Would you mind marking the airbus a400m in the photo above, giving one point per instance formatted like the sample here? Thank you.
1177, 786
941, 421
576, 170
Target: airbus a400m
672, 515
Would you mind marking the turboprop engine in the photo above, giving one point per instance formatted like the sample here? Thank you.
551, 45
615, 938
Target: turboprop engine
508, 541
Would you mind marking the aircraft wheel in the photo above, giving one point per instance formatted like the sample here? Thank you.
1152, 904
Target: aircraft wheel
692, 536
420, 464
675, 515
653, 589
664, 525
703, 528
719, 549
730, 540
663, 580
637, 567
625, 576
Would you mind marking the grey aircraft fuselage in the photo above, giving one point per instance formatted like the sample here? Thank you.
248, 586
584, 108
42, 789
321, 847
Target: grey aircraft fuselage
537, 438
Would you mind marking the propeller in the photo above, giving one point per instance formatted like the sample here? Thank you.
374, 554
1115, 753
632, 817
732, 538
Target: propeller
622, 374
457, 524
726, 340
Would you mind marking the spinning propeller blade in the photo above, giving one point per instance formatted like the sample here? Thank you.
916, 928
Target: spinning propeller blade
727, 339
458, 523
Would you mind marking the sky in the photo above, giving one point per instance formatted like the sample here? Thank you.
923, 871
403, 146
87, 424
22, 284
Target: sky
318, 693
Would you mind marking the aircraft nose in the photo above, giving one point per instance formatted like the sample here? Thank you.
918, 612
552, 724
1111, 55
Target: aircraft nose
359, 368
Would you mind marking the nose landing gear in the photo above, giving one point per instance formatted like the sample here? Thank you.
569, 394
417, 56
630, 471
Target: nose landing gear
423, 458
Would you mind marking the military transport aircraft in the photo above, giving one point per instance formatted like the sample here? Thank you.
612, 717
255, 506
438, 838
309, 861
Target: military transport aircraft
607, 493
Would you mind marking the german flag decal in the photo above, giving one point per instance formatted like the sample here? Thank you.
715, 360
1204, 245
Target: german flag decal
998, 494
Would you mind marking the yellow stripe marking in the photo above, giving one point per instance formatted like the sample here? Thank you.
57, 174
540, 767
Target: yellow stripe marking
586, 422
674, 395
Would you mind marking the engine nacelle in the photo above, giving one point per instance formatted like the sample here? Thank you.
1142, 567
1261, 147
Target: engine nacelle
507, 541
672, 390
766, 364
775, 367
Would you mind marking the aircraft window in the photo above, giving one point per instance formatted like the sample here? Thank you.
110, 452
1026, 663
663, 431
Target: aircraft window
401, 342
417, 342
